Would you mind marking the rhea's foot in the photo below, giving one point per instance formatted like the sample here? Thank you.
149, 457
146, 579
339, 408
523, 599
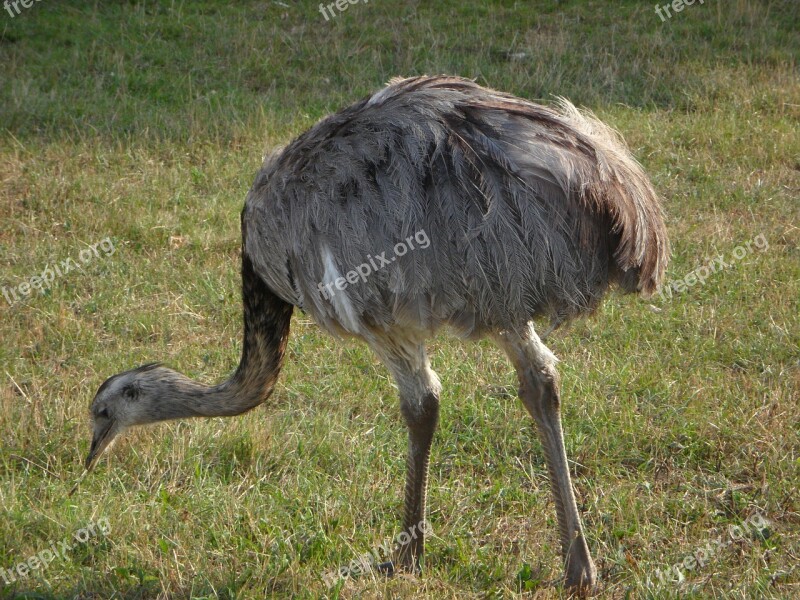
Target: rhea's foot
391, 568
581, 575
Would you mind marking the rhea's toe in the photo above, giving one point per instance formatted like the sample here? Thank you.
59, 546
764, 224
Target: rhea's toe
580, 580
386, 569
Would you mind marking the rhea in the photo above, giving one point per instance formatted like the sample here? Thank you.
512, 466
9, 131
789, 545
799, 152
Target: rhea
530, 212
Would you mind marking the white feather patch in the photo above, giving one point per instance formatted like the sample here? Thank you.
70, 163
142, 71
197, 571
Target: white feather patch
338, 298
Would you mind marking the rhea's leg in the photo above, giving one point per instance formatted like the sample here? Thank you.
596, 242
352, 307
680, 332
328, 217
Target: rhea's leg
419, 404
538, 390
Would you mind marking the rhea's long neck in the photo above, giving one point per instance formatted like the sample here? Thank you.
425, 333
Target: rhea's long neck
266, 331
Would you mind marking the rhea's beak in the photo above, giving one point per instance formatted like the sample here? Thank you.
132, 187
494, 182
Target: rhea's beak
104, 434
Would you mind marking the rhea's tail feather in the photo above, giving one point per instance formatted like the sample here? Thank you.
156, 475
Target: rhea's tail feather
625, 192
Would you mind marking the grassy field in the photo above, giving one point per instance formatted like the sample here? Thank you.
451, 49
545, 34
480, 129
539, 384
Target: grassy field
137, 127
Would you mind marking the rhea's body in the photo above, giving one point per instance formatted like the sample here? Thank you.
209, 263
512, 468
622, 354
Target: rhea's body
529, 211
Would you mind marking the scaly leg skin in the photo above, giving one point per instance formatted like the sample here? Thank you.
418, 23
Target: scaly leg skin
421, 418
419, 403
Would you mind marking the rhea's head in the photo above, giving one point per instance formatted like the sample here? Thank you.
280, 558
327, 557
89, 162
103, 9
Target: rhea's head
124, 400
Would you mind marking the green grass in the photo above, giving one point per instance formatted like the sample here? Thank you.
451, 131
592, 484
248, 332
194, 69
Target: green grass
145, 122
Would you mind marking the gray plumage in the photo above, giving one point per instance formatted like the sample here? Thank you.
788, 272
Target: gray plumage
433, 202
530, 211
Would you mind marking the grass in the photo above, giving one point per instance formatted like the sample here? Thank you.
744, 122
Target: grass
145, 122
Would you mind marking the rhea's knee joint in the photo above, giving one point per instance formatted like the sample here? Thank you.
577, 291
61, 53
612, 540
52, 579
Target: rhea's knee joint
421, 411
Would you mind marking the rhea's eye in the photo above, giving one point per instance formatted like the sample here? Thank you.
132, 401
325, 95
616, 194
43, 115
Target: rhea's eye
129, 392
102, 414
